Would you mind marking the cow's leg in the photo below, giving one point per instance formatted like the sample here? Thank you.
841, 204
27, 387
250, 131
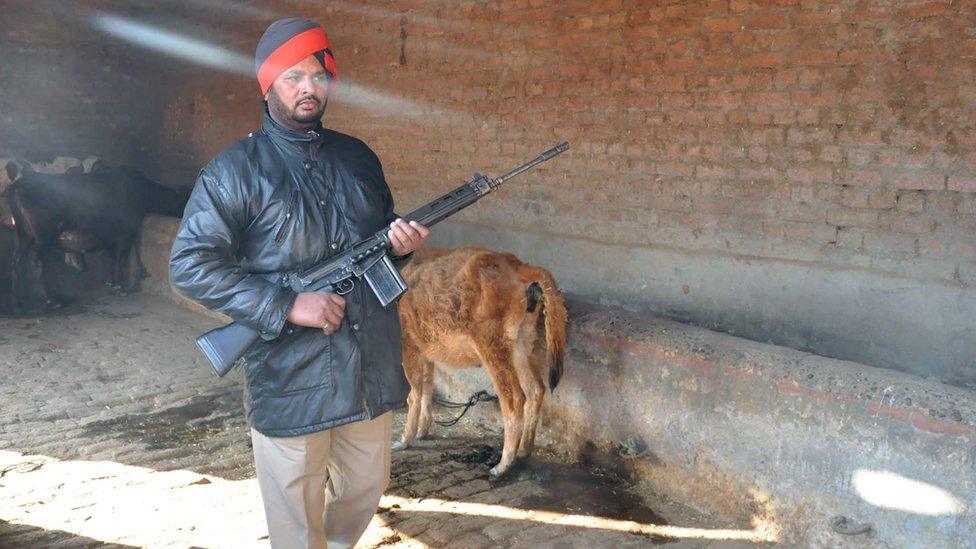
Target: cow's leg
76, 260
20, 274
496, 355
413, 368
426, 399
115, 274
120, 254
29, 273
133, 270
530, 378
50, 288
27, 242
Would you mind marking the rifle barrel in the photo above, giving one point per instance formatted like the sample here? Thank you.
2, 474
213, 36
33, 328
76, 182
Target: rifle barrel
558, 149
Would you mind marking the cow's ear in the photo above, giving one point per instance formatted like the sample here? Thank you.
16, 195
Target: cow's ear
13, 170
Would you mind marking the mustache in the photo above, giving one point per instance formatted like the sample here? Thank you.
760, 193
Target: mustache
307, 98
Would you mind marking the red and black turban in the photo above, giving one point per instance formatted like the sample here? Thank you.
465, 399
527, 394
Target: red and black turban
285, 43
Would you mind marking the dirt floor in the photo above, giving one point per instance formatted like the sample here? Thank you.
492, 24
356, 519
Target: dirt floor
113, 433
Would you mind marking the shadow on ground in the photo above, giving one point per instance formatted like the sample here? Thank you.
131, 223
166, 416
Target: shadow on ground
16, 536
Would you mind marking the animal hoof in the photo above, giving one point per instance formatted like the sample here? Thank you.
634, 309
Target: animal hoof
497, 473
400, 446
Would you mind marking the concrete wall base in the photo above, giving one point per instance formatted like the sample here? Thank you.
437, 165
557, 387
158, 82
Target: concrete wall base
783, 439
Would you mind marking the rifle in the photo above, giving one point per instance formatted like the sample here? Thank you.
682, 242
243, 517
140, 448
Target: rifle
366, 259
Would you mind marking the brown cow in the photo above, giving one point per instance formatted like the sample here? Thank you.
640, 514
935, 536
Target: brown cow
472, 306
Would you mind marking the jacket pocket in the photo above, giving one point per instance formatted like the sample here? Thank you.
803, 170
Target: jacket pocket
286, 218
298, 361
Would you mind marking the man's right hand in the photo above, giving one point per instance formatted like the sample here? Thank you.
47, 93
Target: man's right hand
318, 310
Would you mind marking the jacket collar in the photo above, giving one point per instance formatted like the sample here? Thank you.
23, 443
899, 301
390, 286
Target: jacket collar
279, 132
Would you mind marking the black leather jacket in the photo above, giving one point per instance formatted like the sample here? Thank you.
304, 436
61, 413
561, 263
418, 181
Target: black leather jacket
277, 201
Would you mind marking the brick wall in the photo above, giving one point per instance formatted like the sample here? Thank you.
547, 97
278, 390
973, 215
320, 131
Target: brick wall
839, 133
66, 89
801, 172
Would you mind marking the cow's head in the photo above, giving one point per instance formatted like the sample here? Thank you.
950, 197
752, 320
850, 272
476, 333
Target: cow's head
15, 170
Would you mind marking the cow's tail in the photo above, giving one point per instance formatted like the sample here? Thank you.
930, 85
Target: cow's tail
554, 309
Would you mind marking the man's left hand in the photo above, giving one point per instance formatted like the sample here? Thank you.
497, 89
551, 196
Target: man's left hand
407, 237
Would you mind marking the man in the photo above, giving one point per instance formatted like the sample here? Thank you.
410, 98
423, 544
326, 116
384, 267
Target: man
323, 379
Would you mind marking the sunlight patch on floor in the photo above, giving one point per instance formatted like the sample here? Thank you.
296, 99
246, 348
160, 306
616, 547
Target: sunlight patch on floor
117, 503
435, 505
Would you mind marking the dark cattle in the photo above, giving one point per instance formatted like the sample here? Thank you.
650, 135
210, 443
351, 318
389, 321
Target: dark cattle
78, 213
6, 260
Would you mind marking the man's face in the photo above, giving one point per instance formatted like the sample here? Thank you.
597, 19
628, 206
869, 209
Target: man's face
299, 95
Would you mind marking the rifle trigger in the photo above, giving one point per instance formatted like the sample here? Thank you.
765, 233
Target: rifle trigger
345, 286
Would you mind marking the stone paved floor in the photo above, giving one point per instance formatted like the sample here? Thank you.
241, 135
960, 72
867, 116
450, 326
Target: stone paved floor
113, 433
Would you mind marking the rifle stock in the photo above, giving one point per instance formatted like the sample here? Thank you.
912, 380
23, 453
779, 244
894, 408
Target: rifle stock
225, 345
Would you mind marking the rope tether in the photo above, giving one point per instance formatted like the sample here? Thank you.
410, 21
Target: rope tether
480, 396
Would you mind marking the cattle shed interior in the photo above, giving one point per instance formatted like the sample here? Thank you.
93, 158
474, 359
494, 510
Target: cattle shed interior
765, 227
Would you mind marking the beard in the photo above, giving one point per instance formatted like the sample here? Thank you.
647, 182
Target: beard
290, 114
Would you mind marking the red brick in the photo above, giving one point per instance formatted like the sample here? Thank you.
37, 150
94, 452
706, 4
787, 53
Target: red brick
799, 211
884, 243
910, 201
941, 203
860, 177
814, 57
918, 181
910, 223
831, 154
962, 183
713, 205
814, 232
850, 217
769, 98
722, 24
679, 28
714, 172
884, 199
738, 6
768, 21
758, 173
867, 197
810, 175
931, 9
967, 205
808, 116
817, 17
765, 60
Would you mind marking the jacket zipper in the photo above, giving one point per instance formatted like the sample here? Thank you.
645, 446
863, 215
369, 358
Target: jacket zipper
362, 373
280, 234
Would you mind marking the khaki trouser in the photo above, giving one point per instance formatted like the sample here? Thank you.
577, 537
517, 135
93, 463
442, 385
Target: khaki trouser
325, 485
